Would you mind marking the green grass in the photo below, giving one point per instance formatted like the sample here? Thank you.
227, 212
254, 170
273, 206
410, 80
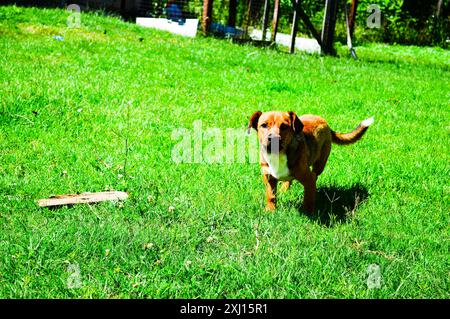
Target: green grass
63, 126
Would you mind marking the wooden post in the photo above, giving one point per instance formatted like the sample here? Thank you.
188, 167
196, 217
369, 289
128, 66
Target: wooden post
232, 12
265, 19
207, 16
352, 16
248, 19
329, 24
349, 37
306, 21
309, 25
276, 10
296, 6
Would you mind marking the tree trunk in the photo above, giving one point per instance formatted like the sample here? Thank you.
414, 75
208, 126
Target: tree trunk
276, 10
265, 19
207, 16
439, 8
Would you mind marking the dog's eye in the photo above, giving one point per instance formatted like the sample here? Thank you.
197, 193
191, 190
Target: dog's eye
264, 125
284, 127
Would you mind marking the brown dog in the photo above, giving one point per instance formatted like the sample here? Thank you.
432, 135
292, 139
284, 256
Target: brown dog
290, 145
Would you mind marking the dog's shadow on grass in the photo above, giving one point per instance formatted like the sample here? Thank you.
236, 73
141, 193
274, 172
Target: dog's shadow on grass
335, 205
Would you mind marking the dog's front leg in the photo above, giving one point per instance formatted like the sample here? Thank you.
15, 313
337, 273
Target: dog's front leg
271, 188
285, 186
309, 183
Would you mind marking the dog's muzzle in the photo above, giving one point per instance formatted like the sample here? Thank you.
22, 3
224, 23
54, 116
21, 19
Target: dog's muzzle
273, 144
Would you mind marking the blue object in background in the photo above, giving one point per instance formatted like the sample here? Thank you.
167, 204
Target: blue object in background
173, 12
225, 30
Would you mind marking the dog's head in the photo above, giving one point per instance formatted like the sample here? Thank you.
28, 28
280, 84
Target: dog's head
276, 130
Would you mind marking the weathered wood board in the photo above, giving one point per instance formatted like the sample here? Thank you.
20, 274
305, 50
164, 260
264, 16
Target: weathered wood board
187, 29
84, 198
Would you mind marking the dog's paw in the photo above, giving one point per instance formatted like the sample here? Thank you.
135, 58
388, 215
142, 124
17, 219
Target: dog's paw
270, 207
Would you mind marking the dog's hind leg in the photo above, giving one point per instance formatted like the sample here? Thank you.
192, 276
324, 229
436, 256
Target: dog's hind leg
319, 165
308, 179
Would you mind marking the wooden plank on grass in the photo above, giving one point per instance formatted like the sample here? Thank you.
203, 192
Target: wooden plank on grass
84, 198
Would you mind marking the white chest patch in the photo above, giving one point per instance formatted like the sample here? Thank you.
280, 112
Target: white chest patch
278, 167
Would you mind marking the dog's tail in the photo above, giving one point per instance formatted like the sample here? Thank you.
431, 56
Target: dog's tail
350, 138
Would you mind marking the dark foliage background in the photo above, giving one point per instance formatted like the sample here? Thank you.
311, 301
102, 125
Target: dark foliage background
402, 21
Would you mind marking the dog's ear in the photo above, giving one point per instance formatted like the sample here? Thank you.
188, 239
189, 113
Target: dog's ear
297, 125
253, 123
